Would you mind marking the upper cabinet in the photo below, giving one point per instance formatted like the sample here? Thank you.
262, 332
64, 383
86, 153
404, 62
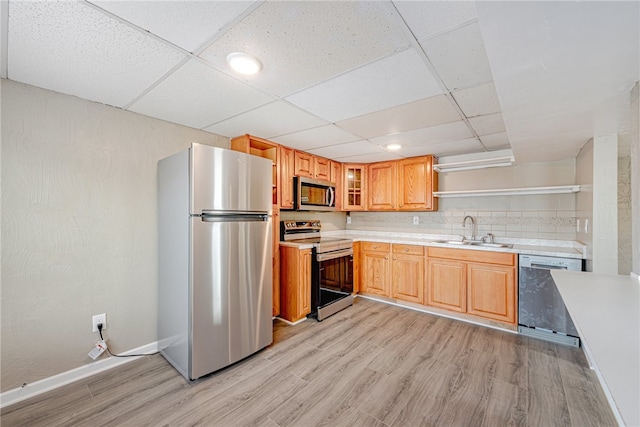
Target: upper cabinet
336, 177
417, 181
262, 148
354, 186
287, 171
406, 185
382, 186
312, 166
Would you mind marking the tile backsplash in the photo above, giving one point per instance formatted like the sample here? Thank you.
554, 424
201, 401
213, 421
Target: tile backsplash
530, 224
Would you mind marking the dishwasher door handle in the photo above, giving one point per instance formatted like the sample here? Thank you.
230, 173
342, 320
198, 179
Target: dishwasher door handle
547, 267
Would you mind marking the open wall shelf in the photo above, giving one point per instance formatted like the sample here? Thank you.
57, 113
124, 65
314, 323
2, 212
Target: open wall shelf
559, 189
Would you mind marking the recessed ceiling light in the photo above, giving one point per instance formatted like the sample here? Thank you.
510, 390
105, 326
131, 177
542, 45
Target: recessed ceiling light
244, 63
394, 147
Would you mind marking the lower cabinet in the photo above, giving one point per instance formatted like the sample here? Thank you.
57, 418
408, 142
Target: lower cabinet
407, 273
447, 284
295, 283
376, 268
481, 283
395, 271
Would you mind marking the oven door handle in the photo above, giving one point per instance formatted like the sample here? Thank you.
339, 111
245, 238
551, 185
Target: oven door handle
333, 255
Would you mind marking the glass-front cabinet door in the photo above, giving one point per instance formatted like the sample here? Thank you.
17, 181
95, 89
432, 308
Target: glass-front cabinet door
354, 187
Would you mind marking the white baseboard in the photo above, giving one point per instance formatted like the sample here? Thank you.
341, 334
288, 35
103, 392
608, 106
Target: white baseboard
16, 395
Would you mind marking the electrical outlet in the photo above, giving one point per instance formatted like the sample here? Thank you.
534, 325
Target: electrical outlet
99, 318
416, 220
348, 219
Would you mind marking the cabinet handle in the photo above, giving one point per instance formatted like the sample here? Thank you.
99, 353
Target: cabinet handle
375, 247
395, 259
406, 249
386, 257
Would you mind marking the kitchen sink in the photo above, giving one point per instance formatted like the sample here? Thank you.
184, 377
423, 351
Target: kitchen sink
474, 243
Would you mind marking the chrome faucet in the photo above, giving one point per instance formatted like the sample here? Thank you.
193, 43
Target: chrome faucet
473, 226
490, 237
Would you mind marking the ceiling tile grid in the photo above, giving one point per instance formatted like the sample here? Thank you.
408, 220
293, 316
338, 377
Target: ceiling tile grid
459, 57
316, 137
478, 100
388, 82
186, 27
426, 136
70, 48
429, 18
414, 115
267, 121
196, 95
303, 43
487, 124
348, 149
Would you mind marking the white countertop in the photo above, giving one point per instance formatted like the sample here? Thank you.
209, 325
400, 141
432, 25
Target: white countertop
565, 249
606, 311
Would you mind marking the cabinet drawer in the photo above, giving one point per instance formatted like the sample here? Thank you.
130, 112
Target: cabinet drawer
470, 255
376, 247
408, 249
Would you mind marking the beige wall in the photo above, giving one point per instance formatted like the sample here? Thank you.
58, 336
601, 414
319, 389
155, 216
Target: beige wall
635, 176
534, 216
584, 199
78, 227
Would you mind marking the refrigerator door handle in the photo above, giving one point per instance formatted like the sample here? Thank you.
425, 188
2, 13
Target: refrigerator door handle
234, 218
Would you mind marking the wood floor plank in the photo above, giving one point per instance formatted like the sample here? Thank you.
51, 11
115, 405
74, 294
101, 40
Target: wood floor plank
372, 364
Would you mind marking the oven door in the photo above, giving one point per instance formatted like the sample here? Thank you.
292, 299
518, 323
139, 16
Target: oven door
332, 283
335, 270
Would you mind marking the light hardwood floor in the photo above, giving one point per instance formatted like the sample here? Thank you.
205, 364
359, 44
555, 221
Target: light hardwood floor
370, 365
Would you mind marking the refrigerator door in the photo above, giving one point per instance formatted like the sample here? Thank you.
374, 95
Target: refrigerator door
225, 180
230, 290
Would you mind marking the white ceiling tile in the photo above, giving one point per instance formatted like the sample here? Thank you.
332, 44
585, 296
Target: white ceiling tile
425, 136
488, 124
496, 141
71, 48
459, 57
427, 18
347, 149
382, 156
478, 100
470, 145
185, 25
414, 115
196, 95
267, 121
303, 43
315, 138
394, 80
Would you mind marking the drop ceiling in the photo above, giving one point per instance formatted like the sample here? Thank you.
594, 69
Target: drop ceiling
344, 79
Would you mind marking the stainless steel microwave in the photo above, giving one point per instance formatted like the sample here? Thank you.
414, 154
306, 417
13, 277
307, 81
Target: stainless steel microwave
313, 194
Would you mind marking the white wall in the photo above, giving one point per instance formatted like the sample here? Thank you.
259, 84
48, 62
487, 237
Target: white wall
78, 227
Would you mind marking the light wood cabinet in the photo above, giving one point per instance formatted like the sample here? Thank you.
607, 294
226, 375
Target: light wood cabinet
357, 260
416, 183
295, 283
482, 283
376, 265
311, 166
405, 185
491, 292
304, 164
447, 284
336, 178
407, 273
354, 187
287, 171
382, 186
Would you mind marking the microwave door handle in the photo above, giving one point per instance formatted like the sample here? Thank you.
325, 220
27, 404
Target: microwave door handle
331, 194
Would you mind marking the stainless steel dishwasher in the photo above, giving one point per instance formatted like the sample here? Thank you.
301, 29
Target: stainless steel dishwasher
541, 311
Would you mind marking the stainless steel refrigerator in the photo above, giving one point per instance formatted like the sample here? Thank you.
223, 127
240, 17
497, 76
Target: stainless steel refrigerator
215, 258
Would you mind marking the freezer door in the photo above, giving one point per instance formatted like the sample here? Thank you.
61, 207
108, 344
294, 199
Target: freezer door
230, 291
225, 180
